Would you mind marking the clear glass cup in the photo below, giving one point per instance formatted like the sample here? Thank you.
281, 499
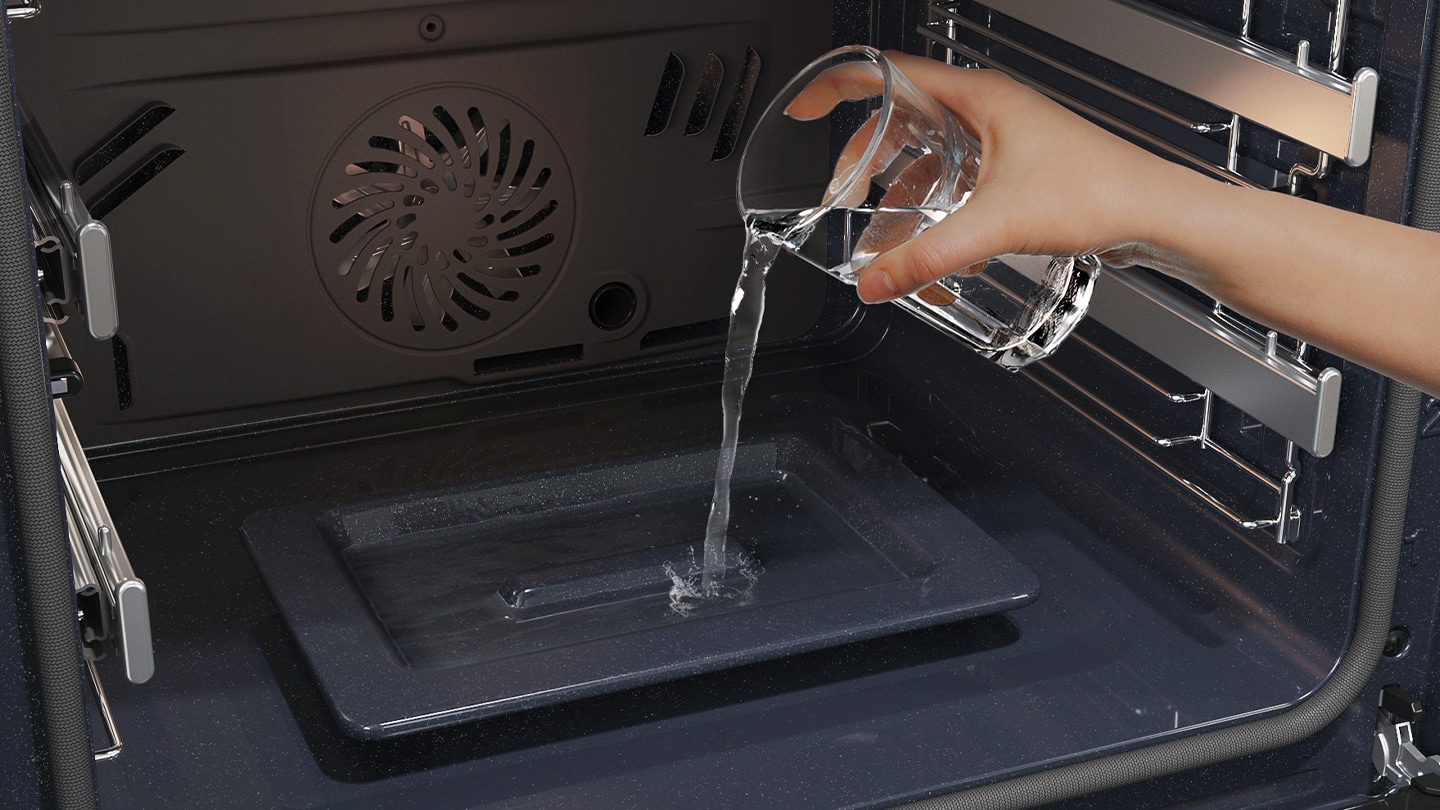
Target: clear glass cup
902, 162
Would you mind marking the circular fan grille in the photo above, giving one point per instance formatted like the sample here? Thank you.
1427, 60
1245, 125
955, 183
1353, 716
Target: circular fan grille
442, 217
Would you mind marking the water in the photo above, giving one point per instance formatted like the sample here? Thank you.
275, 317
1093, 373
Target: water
965, 305
747, 310
767, 233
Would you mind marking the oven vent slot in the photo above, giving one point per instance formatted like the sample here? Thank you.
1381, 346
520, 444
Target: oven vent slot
116, 145
1280, 97
705, 95
112, 148
665, 95
684, 333
528, 360
707, 98
739, 105
112, 197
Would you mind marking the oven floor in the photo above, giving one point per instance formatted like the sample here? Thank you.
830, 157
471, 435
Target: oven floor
232, 718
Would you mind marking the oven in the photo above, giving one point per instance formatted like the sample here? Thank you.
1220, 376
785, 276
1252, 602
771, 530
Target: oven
384, 344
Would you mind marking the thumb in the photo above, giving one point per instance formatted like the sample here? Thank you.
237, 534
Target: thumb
962, 242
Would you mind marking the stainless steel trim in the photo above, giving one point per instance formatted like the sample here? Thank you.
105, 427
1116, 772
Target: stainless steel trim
1299, 404
1093, 112
1239, 75
132, 630
125, 591
1286, 520
1339, 28
1362, 116
1205, 495
1178, 398
84, 241
94, 262
82, 571
953, 19
21, 9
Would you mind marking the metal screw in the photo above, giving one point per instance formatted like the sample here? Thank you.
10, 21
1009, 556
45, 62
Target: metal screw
431, 27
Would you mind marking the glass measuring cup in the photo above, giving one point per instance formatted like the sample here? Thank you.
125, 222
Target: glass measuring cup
904, 162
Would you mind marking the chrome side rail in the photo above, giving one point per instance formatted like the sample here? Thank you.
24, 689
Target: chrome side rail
125, 594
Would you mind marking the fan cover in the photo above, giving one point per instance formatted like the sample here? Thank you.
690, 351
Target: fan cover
442, 218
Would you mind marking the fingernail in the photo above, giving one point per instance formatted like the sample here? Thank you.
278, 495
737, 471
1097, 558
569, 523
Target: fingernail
876, 286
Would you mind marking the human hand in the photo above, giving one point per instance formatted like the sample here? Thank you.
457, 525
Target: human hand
1049, 183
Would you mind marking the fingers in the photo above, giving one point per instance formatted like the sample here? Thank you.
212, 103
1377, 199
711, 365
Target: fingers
846, 189
848, 82
973, 94
962, 242
891, 225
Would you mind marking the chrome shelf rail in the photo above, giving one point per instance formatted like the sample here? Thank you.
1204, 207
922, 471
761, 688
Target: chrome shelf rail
125, 595
1276, 90
116, 745
1284, 521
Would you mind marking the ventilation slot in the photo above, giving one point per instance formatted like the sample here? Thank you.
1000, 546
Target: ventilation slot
380, 167
533, 221
739, 106
365, 191
520, 250
121, 353
402, 148
110, 199
127, 136
527, 198
502, 156
670, 80
448, 122
433, 141
526, 360
468, 307
685, 333
705, 97
507, 295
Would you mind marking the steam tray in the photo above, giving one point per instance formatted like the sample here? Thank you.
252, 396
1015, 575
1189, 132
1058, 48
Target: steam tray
433, 608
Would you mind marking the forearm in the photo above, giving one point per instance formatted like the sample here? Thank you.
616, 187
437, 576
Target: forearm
1361, 287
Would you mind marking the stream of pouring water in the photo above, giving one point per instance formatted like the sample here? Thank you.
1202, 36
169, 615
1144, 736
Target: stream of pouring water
747, 310
765, 237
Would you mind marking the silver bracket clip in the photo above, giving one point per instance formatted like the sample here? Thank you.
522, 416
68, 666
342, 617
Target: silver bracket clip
95, 265
64, 226
1394, 755
1397, 759
21, 9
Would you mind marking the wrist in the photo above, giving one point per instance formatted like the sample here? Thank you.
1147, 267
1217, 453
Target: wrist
1180, 216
